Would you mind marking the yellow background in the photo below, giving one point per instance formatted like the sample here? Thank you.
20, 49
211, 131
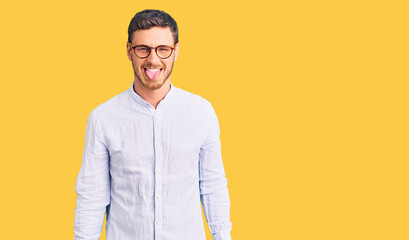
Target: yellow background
312, 98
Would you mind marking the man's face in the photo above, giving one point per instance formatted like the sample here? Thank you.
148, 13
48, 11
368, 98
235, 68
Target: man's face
152, 72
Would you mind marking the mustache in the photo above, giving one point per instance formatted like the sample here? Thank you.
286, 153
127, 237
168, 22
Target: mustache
153, 66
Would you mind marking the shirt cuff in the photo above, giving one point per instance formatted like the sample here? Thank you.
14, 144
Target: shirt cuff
222, 236
221, 231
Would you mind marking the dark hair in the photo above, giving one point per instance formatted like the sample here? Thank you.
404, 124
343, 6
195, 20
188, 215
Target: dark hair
152, 18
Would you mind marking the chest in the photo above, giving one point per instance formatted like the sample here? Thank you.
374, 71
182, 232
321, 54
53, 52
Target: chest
141, 141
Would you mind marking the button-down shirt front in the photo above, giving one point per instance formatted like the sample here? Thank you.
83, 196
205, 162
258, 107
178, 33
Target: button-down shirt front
150, 169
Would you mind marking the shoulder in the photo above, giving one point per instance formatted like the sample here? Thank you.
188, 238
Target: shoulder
110, 107
191, 100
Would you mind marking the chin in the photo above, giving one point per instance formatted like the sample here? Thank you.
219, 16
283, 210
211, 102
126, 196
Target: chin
153, 85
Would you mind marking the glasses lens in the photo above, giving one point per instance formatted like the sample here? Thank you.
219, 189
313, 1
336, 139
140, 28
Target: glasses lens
142, 51
164, 51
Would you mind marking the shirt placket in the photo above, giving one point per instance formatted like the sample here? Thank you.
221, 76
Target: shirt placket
158, 175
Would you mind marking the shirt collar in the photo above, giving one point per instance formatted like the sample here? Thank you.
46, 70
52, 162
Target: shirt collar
144, 103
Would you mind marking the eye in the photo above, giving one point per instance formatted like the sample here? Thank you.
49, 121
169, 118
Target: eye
142, 48
164, 49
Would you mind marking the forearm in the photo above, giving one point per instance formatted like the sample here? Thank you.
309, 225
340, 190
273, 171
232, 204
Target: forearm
89, 214
216, 206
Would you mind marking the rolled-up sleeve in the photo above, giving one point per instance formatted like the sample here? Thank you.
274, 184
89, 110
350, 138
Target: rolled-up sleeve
92, 185
214, 194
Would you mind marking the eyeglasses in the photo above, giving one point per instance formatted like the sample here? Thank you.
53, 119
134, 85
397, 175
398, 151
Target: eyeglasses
143, 51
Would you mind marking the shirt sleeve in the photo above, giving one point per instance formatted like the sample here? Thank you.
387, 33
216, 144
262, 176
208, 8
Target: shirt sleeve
92, 185
214, 194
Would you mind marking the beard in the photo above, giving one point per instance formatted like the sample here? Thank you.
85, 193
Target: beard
153, 84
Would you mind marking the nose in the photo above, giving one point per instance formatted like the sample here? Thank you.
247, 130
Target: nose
152, 56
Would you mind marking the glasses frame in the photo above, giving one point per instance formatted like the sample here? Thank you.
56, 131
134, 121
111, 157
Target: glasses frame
150, 50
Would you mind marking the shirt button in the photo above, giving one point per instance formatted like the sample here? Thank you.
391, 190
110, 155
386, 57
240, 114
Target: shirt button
157, 223
157, 143
157, 197
157, 171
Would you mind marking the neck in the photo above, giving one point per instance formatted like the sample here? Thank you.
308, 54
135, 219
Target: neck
152, 96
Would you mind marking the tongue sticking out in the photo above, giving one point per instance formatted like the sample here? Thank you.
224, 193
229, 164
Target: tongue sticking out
153, 74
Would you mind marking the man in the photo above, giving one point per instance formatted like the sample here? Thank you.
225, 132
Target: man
152, 153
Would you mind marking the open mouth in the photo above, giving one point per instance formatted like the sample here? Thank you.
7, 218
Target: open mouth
153, 73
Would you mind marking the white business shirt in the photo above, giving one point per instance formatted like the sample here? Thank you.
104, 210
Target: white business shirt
150, 169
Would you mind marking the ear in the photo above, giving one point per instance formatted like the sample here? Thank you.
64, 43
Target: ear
176, 50
129, 50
